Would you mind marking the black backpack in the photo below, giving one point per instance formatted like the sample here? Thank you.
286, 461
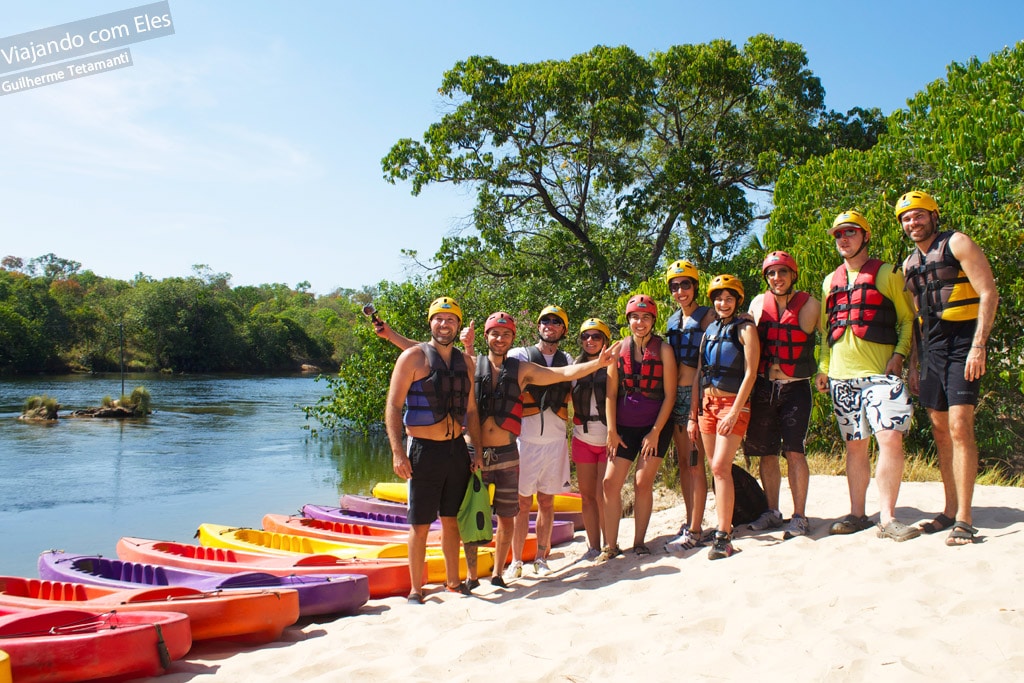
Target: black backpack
751, 502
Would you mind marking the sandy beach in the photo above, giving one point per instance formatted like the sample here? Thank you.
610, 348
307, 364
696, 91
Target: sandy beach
820, 608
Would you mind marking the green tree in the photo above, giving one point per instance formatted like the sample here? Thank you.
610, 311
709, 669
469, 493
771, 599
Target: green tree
962, 140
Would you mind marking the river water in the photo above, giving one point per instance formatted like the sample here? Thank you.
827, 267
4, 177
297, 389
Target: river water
216, 449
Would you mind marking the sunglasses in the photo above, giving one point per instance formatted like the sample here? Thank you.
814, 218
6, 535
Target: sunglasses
845, 232
683, 285
777, 271
592, 336
550, 321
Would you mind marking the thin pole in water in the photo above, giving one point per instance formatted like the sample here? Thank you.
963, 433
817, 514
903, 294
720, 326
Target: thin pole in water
121, 327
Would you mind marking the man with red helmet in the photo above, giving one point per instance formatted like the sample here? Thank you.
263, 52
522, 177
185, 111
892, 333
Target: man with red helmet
955, 296
780, 405
866, 325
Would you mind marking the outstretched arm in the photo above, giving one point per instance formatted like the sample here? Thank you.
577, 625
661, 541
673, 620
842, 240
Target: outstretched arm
531, 373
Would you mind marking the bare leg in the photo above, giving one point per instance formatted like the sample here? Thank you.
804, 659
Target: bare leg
545, 517
965, 459
858, 474
590, 476
799, 481
888, 472
522, 527
944, 448
693, 481
643, 493
723, 450
771, 479
418, 555
502, 543
450, 547
614, 478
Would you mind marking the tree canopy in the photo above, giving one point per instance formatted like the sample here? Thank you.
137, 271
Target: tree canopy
589, 171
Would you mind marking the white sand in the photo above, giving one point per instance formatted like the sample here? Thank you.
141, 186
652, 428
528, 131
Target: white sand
841, 608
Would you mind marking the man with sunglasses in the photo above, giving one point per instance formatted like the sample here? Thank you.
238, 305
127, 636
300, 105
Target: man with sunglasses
543, 441
867, 323
780, 405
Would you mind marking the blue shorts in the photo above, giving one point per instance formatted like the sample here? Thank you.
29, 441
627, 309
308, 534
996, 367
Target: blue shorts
440, 476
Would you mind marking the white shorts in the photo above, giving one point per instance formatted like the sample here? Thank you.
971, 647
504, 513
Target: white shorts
870, 404
543, 467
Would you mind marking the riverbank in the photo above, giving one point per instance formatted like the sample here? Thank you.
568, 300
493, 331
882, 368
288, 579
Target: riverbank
837, 608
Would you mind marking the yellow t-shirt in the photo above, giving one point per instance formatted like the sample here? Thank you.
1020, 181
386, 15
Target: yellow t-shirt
853, 357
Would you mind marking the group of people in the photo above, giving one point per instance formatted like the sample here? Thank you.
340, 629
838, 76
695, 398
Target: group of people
721, 378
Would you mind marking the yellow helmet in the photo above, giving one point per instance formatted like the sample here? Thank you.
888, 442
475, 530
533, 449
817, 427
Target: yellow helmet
596, 324
557, 312
915, 199
682, 268
851, 217
444, 304
726, 281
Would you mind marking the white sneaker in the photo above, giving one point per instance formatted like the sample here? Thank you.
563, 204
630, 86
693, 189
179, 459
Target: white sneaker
684, 541
514, 570
541, 568
772, 519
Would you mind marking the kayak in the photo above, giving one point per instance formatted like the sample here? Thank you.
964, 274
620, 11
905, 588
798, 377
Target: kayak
340, 532
5, 668
354, 503
293, 592
561, 532
399, 492
64, 645
231, 615
386, 577
254, 540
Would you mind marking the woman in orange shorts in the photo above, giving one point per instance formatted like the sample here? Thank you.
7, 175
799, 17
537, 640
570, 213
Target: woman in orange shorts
725, 377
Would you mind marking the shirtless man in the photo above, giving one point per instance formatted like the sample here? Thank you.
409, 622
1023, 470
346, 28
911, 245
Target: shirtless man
434, 381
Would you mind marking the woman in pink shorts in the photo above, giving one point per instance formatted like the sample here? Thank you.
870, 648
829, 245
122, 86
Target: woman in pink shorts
590, 432
725, 377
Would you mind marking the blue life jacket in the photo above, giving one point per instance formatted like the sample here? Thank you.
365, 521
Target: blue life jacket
722, 357
684, 335
444, 392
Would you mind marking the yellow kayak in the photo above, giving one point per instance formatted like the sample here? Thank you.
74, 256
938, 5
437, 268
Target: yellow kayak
268, 542
398, 492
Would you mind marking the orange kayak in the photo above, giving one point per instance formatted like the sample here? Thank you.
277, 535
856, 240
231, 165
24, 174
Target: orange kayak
251, 616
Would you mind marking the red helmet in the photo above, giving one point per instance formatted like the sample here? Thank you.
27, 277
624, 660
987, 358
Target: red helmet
500, 319
779, 258
641, 303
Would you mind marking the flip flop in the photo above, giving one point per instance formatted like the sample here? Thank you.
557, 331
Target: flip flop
415, 598
940, 523
962, 534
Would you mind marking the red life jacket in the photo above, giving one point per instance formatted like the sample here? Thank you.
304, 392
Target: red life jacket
649, 378
783, 341
860, 307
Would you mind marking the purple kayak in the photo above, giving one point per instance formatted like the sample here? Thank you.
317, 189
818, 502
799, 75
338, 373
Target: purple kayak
353, 503
561, 531
319, 594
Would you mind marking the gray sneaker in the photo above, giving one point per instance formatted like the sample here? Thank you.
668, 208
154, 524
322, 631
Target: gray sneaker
772, 519
797, 526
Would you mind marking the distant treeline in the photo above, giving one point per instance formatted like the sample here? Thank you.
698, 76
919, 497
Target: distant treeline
56, 318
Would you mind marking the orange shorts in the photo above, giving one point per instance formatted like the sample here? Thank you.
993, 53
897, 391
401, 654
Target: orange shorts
717, 407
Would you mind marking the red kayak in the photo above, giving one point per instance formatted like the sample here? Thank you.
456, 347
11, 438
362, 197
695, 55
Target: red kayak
63, 645
387, 576
250, 616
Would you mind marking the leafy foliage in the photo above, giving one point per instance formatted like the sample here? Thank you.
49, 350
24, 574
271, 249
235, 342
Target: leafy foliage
962, 140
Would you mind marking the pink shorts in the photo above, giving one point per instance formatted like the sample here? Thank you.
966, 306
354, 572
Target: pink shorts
716, 408
584, 453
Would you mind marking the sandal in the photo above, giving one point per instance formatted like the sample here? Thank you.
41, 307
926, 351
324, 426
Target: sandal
641, 550
898, 531
940, 523
415, 598
850, 524
609, 552
962, 534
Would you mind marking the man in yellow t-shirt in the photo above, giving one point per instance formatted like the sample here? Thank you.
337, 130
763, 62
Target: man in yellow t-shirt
867, 323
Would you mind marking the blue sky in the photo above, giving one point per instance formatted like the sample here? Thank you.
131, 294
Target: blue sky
250, 141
